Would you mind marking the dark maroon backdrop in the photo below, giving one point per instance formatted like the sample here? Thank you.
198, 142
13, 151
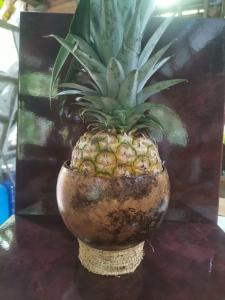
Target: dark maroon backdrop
44, 142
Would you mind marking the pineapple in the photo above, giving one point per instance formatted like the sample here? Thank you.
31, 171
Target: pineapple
111, 154
122, 126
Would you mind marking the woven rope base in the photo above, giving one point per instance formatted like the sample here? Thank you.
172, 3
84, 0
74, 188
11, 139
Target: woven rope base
110, 263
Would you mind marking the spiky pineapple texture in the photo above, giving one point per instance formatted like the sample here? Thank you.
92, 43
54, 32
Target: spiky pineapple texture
105, 37
107, 154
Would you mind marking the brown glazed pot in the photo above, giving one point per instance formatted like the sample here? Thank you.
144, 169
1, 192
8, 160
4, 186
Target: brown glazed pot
111, 213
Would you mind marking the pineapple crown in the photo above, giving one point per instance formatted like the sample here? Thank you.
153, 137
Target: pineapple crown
105, 37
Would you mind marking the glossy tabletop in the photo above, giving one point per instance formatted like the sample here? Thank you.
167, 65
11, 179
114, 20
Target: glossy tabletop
38, 260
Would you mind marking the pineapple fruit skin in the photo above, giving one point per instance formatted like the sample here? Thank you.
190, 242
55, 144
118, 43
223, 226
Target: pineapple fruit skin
112, 213
105, 154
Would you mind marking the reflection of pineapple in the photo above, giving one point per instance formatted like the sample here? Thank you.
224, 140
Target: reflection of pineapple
113, 104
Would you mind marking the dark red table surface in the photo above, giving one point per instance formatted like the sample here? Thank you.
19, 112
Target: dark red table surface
38, 260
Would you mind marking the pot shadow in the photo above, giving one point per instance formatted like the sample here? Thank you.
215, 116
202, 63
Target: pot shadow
125, 287
147, 282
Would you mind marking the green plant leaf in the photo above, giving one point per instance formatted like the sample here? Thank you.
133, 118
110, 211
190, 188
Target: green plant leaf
108, 104
146, 9
140, 119
111, 30
168, 119
151, 44
131, 121
80, 101
128, 55
127, 9
96, 114
128, 90
93, 117
85, 47
133, 36
154, 129
149, 68
120, 116
80, 25
69, 92
115, 75
128, 59
78, 86
59, 63
88, 105
95, 23
73, 68
172, 125
150, 118
156, 88
96, 70
140, 109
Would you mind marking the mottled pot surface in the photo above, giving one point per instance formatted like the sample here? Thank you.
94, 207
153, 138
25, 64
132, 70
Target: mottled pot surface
111, 213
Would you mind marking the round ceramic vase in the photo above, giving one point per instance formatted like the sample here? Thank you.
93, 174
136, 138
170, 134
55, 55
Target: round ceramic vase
111, 217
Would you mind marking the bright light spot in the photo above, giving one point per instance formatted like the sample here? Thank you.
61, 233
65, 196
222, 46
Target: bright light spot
221, 222
8, 53
167, 15
5, 245
13, 136
166, 3
191, 12
9, 166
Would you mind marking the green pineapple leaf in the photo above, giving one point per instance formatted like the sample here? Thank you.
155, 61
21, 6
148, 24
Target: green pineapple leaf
85, 47
69, 92
156, 88
59, 63
155, 131
133, 120
115, 75
128, 55
96, 70
128, 59
95, 7
132, 36
81, 102
108, 104
112, 70
151, 67
153, 128
140, 119
79, 26
110, 30
77, 92
120, 116
128, 90
77, 86
146, 10
127, 7
151, 44
172, 125
173, 128
96, 115
88, 105
73, 69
